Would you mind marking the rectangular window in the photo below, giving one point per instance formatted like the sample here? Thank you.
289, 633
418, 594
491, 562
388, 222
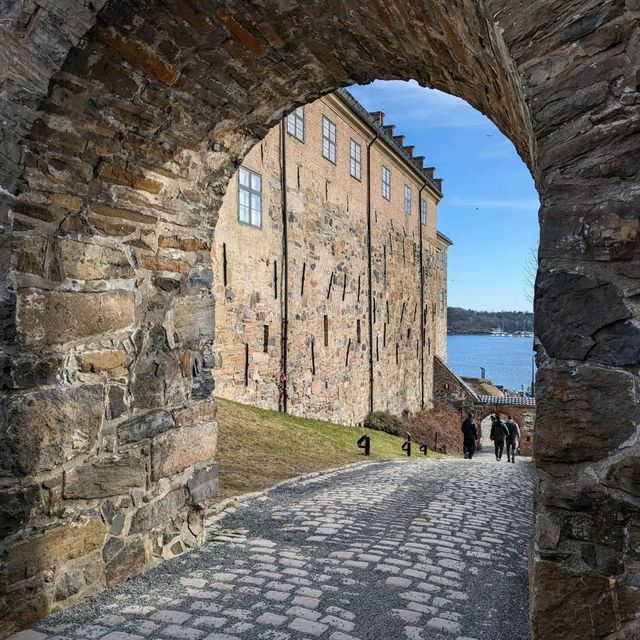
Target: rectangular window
265, 339
326, 331
442, 303
407, 199
438, 259
249, 197
295, 124
386, 183
355, 166
328, 139
423, 211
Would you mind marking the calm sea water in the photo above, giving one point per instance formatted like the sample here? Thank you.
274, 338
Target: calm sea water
507, 361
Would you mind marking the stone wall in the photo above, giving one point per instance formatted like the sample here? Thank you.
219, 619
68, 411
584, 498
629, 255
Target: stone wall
327, 276
450, 389
124, 134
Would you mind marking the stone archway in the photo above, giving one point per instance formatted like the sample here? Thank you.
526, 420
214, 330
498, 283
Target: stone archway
122, 122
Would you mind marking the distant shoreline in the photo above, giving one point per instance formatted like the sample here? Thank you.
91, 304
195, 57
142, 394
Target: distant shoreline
483, 333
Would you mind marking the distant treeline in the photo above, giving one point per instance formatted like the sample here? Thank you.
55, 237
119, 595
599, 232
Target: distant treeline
469, 321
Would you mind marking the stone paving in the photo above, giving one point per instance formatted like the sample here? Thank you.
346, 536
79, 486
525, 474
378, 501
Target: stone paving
409, 550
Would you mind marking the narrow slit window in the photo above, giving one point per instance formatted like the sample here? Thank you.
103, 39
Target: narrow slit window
246, 365
374, 310
346, 364
384, 262
358, 288
330, 285
325, 328
304, 271
275, 279
295, 124
265, 339
313, 356
224, 263
249, 197
384, 335
344, 287
358, 331
377, 351
397, 353
328, 139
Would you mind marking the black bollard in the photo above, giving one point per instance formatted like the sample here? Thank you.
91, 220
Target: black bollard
407, 447
365, 443
424, 449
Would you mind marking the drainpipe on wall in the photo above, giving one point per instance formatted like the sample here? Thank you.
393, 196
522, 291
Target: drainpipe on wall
421, 297
370, 272
284, 385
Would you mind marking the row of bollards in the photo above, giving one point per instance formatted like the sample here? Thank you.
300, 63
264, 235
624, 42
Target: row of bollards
365, 443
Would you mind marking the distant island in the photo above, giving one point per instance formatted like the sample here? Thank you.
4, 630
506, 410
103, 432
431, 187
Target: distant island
470, 321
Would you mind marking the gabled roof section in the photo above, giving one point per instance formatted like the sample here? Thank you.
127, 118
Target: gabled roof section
457, 378
375, 121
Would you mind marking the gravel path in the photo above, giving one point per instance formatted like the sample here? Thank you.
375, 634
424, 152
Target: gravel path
409, 550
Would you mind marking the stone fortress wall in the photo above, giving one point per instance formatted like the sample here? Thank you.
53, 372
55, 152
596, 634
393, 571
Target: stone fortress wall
320, 265
122, 122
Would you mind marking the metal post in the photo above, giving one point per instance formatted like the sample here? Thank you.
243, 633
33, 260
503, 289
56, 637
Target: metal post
365, 443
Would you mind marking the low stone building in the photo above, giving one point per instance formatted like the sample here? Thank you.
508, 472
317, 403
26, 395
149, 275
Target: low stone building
330, 274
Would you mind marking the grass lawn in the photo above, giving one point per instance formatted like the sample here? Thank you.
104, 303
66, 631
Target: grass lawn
258, 448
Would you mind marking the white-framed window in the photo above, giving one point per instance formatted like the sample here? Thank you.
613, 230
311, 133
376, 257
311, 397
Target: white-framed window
328, 139
355, 163
295, 124
386, 183
249, 197
442, 302
423, 211
407, 199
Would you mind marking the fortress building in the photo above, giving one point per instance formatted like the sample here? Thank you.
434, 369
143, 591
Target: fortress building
330, 274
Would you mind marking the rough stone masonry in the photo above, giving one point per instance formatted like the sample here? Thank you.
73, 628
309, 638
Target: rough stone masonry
121, 124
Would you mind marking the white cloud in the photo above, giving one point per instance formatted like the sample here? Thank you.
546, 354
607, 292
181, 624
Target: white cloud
435, 109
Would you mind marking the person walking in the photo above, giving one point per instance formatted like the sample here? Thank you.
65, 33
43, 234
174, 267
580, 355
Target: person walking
469, 436
499, 433
512, 439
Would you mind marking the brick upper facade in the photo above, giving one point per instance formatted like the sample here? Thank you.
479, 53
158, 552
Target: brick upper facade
349, 222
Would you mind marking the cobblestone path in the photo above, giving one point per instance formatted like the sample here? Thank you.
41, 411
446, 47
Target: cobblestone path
410, 550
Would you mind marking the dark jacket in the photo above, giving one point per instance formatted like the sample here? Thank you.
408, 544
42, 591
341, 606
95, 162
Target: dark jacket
469, 430
513, 429
499, 431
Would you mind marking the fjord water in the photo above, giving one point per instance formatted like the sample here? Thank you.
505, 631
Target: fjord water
507, 360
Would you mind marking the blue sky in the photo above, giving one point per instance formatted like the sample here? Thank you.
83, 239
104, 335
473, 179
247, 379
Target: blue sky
490, 208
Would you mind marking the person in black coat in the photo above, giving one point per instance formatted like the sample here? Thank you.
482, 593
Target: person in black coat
499, 433
469, 435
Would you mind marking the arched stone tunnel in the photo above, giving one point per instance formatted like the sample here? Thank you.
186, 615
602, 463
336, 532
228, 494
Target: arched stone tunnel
122, 121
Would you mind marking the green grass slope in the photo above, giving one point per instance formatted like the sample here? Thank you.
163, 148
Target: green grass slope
258, 448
